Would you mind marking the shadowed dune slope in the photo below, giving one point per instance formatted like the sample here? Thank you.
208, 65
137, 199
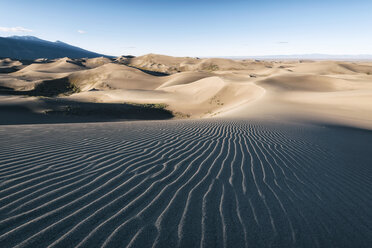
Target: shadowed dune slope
114, 76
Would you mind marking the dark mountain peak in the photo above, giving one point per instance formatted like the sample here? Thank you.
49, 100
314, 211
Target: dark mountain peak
26, 37
31, 47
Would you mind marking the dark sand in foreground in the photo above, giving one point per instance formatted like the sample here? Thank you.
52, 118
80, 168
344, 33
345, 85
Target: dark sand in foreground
207, 183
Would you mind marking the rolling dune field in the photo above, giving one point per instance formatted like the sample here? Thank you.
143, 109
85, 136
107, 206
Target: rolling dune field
221, 182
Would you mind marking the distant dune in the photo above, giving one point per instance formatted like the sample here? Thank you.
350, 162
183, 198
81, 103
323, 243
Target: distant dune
325, 91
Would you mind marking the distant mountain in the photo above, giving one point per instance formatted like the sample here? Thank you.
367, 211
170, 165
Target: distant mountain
30, 47
27, 37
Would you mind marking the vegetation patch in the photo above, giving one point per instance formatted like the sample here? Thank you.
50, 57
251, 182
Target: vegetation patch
111, 110
148, 105
216, 101
181, 115
211, 67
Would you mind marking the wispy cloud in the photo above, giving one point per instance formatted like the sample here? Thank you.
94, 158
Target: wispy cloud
14, 29
282, 42
82, 31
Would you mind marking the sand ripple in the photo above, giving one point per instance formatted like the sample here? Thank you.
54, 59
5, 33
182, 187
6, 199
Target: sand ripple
204, 183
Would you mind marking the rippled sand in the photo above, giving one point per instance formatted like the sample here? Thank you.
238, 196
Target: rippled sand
205, 183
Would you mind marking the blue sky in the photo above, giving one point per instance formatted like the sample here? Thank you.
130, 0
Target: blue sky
196, 28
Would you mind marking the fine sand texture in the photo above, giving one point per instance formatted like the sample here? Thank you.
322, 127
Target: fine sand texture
186, 183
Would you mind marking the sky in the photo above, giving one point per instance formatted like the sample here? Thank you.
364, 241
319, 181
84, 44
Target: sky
196, 27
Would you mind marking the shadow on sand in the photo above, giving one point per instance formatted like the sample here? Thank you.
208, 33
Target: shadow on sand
51, 110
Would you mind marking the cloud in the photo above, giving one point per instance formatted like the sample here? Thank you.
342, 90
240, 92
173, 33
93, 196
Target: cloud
81, 31
282, 42
14, 29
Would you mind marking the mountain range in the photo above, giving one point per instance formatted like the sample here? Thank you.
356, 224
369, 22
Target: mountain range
30, 47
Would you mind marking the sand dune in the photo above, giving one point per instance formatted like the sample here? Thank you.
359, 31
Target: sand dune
95, 62
332, 67
185, 184
58, 66
9, 62
200, 87
34, 73
178, 64
310, 83
8, 65
184, 78
114, 76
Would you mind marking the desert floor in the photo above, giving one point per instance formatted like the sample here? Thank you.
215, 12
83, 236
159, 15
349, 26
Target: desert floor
257, 153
